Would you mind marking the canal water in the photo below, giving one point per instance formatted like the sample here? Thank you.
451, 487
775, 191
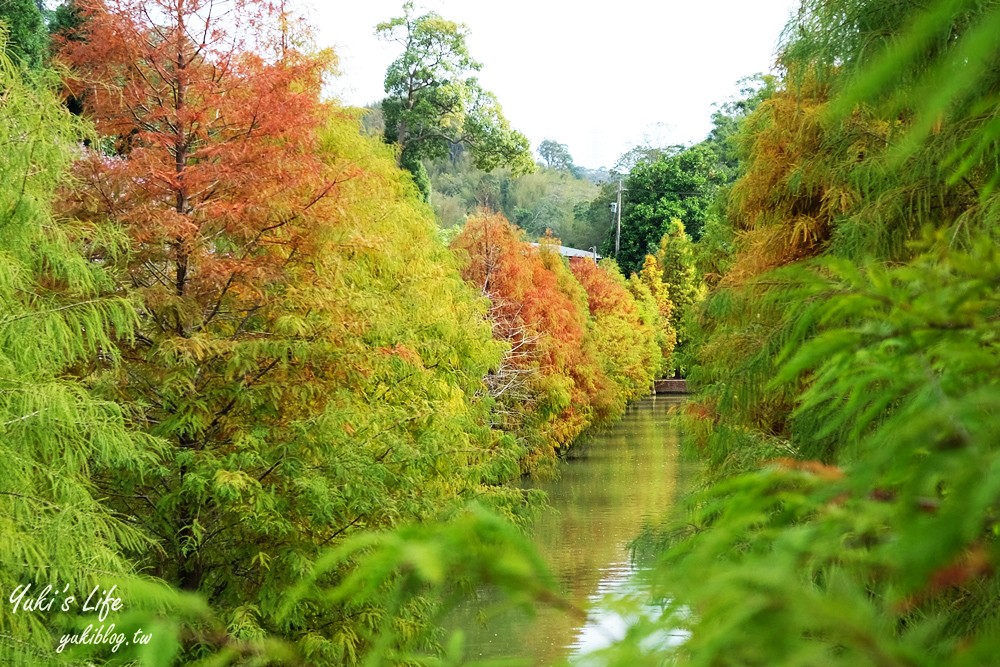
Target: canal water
616, 482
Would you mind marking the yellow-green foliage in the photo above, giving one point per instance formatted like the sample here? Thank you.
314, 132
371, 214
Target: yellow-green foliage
684, 289
407, 418
675, 257
784, 202
56, 317
423, 328
653, 297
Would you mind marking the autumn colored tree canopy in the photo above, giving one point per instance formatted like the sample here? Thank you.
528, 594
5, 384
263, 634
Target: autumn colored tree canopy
561, 373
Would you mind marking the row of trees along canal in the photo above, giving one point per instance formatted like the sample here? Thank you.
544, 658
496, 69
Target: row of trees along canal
234, 346
235, 351
466, 159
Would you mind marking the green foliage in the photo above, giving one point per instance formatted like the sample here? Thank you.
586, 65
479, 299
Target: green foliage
58, 317
597, 216
819, 181
409, 160
433, 101
946, 57
546, 200
27, 40
65, 19
421, 562
556, 155
680, 183
848, 358
888, 557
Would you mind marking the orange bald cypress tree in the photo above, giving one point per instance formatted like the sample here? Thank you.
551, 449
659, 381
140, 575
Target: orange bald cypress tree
550, 386
213, 176
626, 344
214, 166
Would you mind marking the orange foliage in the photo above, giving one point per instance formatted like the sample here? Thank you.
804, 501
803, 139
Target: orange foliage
785, 203
818, 468
626, 345
538, 308
604, 294
974, 563
580, 346
218, 161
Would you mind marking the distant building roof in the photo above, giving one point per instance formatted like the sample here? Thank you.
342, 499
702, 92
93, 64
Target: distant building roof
566, 251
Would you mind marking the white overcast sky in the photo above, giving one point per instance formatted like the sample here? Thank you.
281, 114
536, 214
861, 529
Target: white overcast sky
598, 77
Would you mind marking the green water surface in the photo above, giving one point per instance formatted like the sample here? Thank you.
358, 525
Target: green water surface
615, 482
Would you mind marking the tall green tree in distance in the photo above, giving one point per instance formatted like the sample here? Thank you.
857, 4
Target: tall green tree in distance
685, 183
556, 155
27, 40
680, 183
433, 101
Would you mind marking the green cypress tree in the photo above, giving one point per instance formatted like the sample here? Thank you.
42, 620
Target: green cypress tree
56, 322
27, 38
676, 257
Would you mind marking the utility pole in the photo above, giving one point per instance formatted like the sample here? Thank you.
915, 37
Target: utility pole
618, 219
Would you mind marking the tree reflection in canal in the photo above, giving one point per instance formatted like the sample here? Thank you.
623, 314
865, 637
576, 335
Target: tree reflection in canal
617, 481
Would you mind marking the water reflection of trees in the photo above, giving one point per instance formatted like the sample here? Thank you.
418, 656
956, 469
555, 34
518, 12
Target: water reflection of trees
622, 479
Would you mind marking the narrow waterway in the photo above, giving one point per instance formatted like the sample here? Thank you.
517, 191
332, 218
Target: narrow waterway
615, 482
